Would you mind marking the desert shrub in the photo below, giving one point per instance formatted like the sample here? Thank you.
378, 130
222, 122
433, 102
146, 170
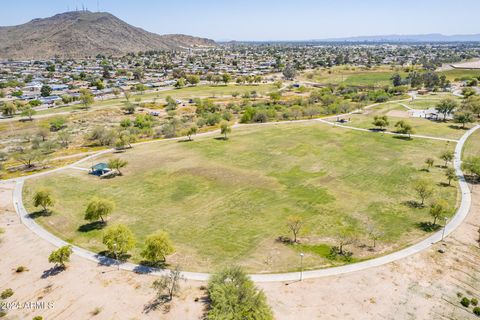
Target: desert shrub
465, 302
96, 311
474, 301
21, 269
37, 318
476, 311
7, 293
234, 296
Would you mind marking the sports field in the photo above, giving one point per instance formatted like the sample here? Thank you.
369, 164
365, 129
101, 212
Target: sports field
226, 202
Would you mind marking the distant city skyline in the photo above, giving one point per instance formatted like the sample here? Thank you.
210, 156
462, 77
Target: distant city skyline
268, 19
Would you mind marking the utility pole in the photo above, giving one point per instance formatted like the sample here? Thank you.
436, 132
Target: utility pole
301, 266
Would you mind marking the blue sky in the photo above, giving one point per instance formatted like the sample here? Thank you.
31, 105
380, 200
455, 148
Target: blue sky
270, 19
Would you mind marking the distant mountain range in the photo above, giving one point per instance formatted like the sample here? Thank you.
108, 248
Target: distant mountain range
433, 37
82, 33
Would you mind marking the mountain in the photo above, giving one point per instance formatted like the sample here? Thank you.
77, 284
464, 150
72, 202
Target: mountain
433, 37
82, 33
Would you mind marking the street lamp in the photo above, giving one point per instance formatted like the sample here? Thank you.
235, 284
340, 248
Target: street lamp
116, 255
301, 265
444, 226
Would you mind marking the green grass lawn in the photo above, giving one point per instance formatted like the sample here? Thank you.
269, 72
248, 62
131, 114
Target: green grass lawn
395, 112
225, 202
455, 74
356, 77
472, 146
203, 91
422, 104
430, 100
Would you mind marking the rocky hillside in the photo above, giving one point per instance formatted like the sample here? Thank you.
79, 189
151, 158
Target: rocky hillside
83, 33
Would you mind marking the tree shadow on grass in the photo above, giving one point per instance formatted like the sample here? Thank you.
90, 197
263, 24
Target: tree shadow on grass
106, 258
96, 225
404, 138
428, 226
444, 184
146, 267
221, 138
41, 213
52, 272
185, 140
457, 127
413, 204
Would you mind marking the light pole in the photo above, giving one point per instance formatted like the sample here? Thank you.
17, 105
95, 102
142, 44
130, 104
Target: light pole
444, 226
301, 266
116, 255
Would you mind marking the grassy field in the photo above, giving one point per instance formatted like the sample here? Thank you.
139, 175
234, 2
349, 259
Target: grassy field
203, 91
456, 74
354, 76
430, 101
396, 112
225, 202
472, 146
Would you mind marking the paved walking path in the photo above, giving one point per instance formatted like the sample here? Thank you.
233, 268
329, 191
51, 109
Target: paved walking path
291, 276
386, 132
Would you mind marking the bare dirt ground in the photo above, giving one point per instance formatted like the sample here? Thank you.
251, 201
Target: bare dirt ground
423, 286
398, 114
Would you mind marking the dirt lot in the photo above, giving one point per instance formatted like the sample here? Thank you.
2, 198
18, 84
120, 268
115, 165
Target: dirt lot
423, 286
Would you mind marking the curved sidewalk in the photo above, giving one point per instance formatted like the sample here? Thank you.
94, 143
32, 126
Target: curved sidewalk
460, 215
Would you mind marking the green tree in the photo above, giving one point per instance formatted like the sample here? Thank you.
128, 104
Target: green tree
9, 109
380, 122
57, 123
193, 79
275, 96
35, 103
118, 239
471, 165
225, 129
46, 91
64, 137
138, 74
424, 190
99, 208
472, 104
28, 157
117, 164
168, 285
451, 175
29, 112
233, 296
447, 156
180, 83
463, 118
43, 198
86, 97
446, 107
129, 108
226, 77
289, 72
404, 128
191, 131
61, 256
396, 80
438, 210
429, 162
157, 247
295, 224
